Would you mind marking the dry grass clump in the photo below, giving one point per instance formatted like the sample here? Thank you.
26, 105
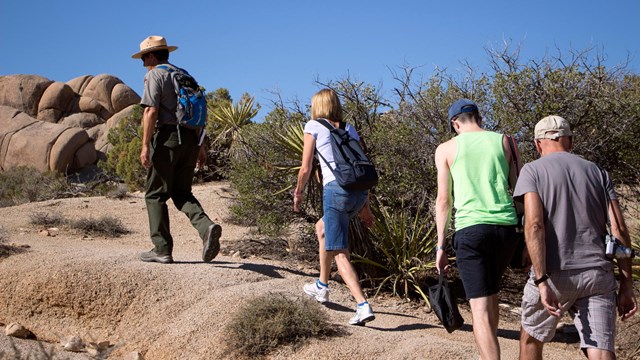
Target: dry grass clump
106, 226
119, 193
46, 219
7, 250
268, 321
23, 184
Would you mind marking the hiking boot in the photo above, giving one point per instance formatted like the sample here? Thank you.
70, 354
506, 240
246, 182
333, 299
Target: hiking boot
211, 242
363, 315
320, 294
151, 256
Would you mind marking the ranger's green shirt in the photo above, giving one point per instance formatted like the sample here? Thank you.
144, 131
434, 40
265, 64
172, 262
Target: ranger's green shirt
480, 175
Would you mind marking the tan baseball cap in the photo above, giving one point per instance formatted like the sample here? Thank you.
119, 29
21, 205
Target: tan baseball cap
553, 124
153, 43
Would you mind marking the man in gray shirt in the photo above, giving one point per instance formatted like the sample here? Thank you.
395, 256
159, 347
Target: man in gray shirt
170, 157
567, 200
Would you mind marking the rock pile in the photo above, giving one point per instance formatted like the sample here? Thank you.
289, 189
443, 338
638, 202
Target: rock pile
59, 126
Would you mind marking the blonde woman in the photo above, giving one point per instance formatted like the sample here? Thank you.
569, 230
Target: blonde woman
339, 204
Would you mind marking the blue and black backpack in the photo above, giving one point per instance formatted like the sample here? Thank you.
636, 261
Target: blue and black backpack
191, 111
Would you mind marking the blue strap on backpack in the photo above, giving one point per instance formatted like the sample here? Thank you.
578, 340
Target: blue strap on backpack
191, 110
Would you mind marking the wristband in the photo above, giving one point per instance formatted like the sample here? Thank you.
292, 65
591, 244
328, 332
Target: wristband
542, 279
438, 247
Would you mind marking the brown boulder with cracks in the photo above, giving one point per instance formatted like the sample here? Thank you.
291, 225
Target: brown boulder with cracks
42, 122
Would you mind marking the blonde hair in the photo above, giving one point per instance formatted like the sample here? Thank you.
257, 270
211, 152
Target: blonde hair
325, 104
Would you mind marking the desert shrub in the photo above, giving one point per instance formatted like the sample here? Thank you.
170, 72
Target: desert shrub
123, 159
404, 240
105, 226
46, 219
263, 177
22, 184
3, 235
272, 320
119, 192
7, 250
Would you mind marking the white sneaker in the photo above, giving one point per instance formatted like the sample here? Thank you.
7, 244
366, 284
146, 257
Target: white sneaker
321, 295
363, 315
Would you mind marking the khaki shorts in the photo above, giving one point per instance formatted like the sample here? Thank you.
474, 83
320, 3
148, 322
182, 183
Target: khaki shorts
589, 295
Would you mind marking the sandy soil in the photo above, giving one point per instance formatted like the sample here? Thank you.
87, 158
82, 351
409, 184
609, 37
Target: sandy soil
97, 288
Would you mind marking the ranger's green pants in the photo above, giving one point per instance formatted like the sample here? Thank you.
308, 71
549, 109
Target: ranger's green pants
171, 176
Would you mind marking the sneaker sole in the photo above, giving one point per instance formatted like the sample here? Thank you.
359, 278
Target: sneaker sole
365, 320
158, 259
212, 242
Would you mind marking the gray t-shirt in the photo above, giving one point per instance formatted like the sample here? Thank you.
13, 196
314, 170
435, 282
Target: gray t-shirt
572, 191
160, 93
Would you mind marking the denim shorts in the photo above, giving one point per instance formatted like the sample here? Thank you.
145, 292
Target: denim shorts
589, 295
339, 206
482, 254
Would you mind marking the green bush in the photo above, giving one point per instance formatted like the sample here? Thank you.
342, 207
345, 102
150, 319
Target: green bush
269, 321
123, 159
263, 178
22, 184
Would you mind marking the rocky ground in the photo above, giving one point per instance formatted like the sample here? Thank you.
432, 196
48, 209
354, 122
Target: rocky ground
68, 284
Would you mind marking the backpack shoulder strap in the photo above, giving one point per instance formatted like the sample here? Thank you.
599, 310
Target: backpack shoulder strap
325, 123
514, 154
165, 67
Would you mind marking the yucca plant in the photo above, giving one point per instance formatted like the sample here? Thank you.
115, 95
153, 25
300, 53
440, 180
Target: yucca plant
291, 143
635, 245
229, 119
404, 240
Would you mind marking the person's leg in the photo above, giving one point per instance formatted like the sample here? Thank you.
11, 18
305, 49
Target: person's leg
325, 256
600, 354
349, 275
320, 288
530, 348
485, 313
595, 313
159, 180
186, 155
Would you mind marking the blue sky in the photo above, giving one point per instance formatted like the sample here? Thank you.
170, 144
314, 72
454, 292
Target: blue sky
283, 45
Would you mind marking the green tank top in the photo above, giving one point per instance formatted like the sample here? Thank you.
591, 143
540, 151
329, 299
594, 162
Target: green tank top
480, 181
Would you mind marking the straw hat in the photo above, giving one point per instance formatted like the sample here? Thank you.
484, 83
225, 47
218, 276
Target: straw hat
153, 43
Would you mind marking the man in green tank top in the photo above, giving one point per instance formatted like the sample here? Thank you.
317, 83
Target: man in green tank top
474, 171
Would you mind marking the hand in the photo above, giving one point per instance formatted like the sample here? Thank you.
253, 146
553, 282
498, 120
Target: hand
442, 261
202, 158
297, 201
526, 259
144, 157
366, 217
550, 300
627, 305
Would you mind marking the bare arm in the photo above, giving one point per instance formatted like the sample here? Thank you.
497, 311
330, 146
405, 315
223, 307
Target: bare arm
149, 119
366, 215
443, 204
305, 170
534, 232
627, 304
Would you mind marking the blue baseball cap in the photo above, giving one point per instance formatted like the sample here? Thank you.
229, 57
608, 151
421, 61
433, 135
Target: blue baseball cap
462, 106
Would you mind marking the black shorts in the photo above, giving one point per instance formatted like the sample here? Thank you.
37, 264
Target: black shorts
483, 253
